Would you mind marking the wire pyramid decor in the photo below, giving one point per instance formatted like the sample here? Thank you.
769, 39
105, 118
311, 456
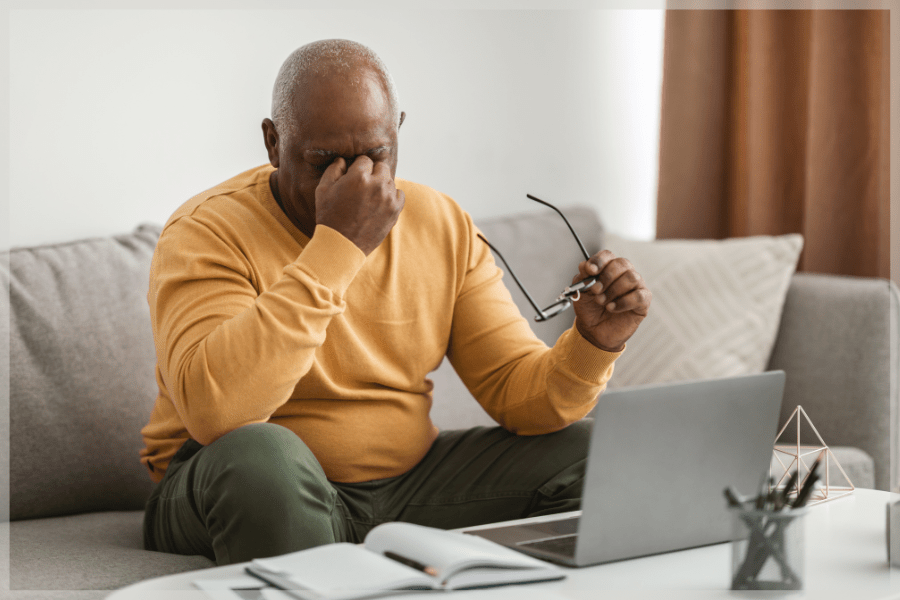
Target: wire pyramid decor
801, 457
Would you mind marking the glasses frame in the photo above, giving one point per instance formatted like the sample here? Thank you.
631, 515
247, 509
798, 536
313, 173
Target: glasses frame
569, 295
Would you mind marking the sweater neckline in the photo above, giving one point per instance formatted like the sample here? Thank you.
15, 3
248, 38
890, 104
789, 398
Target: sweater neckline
269, 202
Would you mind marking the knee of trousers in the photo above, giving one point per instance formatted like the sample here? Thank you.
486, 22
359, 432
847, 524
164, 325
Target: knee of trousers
263, 465
566, 458
574, 441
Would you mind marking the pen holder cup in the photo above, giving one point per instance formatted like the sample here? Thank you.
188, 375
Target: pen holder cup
768, 549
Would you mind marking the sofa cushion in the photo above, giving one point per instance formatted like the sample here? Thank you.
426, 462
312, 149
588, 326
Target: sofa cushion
82, 378
716, 306
545, 257
838, 344
97, 551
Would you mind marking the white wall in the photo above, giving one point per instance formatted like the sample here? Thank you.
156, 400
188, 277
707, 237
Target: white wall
117, 117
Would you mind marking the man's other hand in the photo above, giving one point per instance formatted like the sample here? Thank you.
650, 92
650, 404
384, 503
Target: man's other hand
609, 312
360, 201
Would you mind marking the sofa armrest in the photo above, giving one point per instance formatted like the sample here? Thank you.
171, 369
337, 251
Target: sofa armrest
837, 343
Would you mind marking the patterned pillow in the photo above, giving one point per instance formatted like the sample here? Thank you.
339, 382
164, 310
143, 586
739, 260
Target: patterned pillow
716, 306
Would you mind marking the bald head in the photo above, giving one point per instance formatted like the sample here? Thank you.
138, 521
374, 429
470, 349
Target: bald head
349, 61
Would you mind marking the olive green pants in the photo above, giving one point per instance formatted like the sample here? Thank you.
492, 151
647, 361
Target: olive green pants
259, 491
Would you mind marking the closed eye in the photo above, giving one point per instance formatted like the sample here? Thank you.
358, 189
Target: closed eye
381, 153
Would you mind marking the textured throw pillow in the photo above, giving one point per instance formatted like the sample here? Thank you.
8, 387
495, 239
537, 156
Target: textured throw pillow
81, 367
716, 306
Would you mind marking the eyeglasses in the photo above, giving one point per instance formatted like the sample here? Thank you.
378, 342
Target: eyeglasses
570, 294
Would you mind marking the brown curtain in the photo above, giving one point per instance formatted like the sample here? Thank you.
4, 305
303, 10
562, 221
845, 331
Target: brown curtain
776, 121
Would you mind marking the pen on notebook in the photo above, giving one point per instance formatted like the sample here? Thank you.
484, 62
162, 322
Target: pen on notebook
278, 581
412, 563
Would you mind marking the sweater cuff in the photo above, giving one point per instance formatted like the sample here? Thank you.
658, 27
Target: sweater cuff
331, 259
588, 362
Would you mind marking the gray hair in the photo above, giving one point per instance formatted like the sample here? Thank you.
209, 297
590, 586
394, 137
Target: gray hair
319, 58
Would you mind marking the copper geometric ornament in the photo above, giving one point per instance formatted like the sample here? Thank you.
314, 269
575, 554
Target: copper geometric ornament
801, 457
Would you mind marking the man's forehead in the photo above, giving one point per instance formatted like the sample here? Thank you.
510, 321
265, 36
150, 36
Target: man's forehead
335, 115
336, 83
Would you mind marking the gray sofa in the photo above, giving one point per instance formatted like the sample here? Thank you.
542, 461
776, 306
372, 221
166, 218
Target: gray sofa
82, 385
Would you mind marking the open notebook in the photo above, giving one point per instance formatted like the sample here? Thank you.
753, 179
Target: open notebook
396, 558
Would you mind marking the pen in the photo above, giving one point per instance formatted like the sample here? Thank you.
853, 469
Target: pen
769, 503
765, 497
804, 494
732, 498
761, 497
280, 582
782, 499
412, 563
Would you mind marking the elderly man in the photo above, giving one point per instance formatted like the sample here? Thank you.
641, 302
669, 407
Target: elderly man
297, 310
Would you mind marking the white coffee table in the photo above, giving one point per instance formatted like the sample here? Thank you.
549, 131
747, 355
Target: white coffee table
846, 558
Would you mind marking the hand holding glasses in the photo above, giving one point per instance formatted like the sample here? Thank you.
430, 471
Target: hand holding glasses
569, 295
619, 303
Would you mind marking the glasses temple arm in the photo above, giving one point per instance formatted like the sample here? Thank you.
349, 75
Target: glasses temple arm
569, 225
516, 279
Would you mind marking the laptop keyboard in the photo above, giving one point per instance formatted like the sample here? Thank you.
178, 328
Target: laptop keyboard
564, 545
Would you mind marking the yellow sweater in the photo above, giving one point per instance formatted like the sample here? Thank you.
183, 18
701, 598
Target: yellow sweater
254, 322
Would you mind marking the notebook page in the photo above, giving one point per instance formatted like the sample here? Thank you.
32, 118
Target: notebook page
447, 551
337, 570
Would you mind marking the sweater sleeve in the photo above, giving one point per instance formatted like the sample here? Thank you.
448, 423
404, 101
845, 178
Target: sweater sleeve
229, 355
527, 388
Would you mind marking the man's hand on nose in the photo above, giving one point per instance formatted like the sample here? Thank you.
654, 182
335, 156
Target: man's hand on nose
360, 201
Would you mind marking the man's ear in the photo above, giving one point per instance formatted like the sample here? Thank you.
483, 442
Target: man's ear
270, 138
402, 118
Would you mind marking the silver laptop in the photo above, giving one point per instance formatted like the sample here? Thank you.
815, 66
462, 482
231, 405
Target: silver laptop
659, 459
